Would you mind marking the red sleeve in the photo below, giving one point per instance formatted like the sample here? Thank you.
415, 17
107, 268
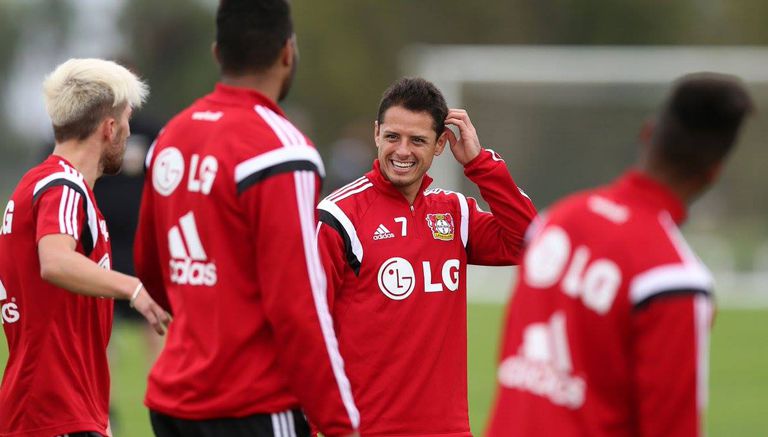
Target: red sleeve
670, 355
146, 256
281, 209
59, 211
496, 237
332, 254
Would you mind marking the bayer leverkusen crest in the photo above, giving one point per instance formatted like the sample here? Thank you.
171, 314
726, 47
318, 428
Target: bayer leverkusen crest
441, 226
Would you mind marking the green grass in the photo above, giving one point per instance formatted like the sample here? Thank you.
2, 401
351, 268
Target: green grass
738, 383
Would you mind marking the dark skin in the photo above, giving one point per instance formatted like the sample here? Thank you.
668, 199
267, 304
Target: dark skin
272, 82
687, 188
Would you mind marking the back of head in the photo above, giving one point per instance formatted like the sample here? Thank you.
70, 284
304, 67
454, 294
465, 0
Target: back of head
251, 33
417, 95
699, 123
80, 92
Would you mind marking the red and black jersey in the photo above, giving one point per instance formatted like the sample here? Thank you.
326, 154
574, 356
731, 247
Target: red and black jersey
607, 330
56, 380
226, 240
397, 285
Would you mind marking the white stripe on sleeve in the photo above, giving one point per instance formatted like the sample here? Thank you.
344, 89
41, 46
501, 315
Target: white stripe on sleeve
68, 212
354, 184
349, 228
291, 424
278, 156
702, 319
267, 115
305, 188
464, 229
276, 429
75, 209
62, 208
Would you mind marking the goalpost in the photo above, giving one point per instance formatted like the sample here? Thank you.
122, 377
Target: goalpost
632, 79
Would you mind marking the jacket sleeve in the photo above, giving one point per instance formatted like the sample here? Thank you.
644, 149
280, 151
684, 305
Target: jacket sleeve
146, 256
496, 237
281, 212
332, 254
670, 355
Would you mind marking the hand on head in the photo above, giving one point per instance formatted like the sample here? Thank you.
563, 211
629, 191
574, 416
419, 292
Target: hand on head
467, 146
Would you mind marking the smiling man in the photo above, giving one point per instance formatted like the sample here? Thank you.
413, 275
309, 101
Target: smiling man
396, 255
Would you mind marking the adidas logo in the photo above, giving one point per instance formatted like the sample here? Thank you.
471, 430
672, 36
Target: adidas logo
187, 262
382, 233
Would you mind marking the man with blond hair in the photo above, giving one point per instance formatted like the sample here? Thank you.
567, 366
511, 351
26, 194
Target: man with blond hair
56, 286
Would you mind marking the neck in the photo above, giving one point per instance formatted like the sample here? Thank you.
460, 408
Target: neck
84, 156
264, 84
686, 189
411, 192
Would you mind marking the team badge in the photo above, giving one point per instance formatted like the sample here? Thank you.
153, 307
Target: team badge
441, 226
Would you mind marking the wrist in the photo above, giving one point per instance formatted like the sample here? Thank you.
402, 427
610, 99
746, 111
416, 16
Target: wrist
475, 158
135, 294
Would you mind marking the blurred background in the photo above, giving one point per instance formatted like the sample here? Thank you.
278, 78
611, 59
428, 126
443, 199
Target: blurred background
559, 88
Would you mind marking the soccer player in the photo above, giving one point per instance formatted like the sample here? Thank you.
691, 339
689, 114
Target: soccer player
607, 330
396, 255
56, 286
226, 233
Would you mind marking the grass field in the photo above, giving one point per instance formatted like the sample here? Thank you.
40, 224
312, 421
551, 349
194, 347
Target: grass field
738, 383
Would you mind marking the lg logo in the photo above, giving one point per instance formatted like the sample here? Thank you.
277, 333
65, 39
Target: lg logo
397, 278
9, 312
168, 171
551, 260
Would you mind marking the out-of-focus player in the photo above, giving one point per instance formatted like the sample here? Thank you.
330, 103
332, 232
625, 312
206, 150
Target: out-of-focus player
607, 331
56, 286
227, 233
396, 256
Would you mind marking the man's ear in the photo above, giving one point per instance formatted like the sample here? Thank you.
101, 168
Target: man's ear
215, 52
441, 140
647, 131
287, 57
376, 129
713, 173
108, 128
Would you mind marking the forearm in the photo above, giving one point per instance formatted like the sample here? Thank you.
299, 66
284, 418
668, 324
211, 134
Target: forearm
74, 272
498, 188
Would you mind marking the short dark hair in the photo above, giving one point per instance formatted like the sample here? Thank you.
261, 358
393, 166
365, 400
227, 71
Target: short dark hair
418, 95
700, 120
251, 33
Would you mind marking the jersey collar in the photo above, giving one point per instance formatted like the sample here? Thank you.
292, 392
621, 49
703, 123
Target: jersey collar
245, 97
653, 193
383, 184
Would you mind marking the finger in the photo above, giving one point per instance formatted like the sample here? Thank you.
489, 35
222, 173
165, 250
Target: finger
153, 320
459, 123
461, 115
451, 137
162, 318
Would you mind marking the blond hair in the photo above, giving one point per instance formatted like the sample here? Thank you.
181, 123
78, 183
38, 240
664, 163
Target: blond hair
80, 92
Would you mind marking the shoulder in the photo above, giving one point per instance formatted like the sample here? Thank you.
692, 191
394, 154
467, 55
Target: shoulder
54, 173
349, 202
343, 210
663, 261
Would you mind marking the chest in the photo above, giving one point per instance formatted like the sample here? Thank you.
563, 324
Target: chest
413, 248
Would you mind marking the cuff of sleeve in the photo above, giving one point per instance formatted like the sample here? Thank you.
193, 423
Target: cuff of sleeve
479, 162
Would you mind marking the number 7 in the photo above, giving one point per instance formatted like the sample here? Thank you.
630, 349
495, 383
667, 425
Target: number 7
403, 225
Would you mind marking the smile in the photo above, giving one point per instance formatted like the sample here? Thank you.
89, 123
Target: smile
401, 164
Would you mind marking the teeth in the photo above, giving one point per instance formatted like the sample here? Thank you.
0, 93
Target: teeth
400, 164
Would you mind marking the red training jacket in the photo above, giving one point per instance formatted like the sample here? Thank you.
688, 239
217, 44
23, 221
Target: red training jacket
397, 284
56, 380
226, 239
607, 330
